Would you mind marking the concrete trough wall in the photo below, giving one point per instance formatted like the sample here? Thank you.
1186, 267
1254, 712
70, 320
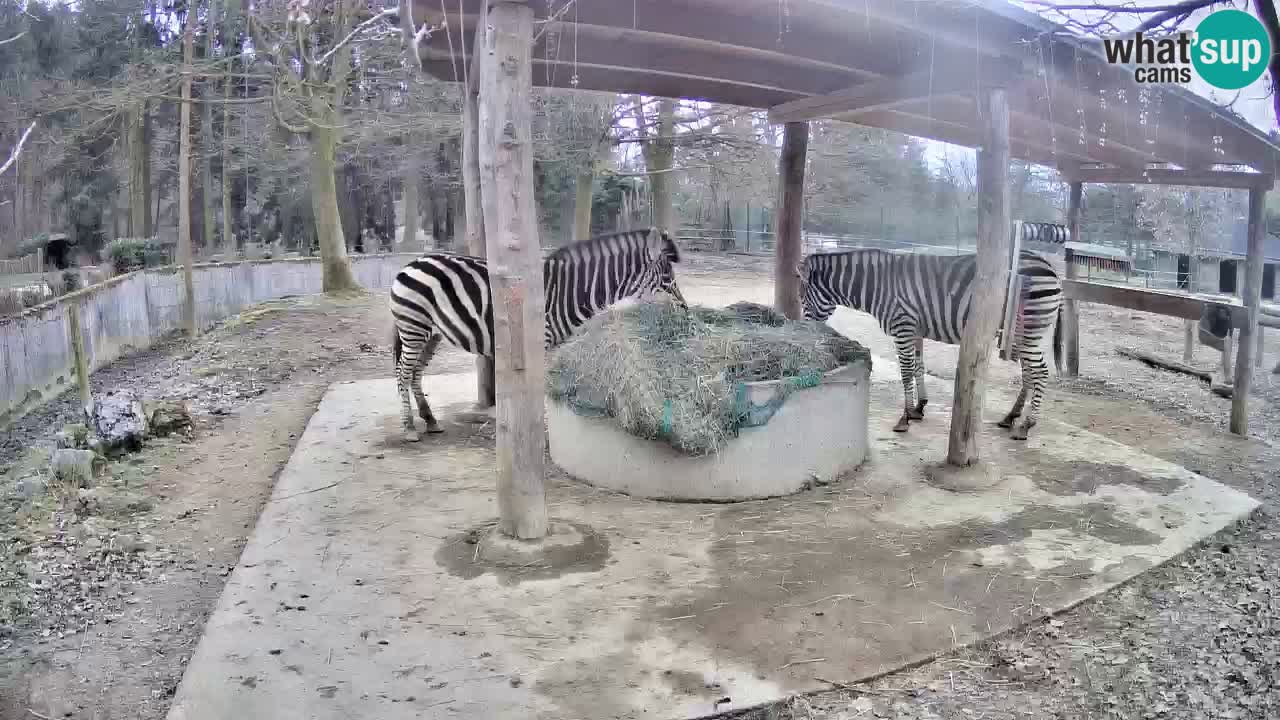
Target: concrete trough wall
818, 434
131, 312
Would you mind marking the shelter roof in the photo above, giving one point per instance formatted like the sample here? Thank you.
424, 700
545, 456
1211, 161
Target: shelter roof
912, 66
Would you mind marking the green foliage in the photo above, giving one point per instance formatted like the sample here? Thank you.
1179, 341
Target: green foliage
129, 254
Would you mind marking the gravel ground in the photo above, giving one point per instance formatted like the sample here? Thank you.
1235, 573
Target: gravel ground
115, 591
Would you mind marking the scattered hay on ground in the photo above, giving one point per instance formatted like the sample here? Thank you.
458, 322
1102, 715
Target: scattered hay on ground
679, 376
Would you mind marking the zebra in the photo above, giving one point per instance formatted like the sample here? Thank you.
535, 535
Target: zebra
916, 296
445, 295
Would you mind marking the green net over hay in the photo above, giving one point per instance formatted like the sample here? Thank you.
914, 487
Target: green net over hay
679, 377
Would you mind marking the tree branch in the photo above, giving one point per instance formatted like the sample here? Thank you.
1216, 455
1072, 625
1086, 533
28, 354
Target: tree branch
389, 12
17, 149
15, 38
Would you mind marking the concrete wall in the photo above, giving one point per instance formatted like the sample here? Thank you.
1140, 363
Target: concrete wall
130, 312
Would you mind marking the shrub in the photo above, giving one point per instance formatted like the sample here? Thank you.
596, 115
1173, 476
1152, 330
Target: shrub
129, 254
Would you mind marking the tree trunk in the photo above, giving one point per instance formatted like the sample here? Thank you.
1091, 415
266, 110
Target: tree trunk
411, 222
659, 159
139, 172
326, 123
206, 139
989, 284
486, 381
335, 264
515, 266
228, 220
582, 204
184, 179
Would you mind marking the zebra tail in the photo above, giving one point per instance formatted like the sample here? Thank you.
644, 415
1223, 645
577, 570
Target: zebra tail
396, 348
1057, 342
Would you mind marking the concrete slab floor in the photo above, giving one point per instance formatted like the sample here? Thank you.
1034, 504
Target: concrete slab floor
361, 594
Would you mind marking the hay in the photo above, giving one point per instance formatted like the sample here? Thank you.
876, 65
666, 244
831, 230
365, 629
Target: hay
679, 377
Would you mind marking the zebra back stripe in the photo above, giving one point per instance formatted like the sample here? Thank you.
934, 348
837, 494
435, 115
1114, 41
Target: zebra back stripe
932, 292
451, 293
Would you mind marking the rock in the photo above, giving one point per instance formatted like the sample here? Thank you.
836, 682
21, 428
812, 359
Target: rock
118, 418
75, 468
168, 417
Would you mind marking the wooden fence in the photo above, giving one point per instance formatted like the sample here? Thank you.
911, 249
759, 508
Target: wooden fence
32, 263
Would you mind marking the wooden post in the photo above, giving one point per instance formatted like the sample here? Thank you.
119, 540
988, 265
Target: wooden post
515, 265
789, 222
1070, 311
1252, 297
81, 357
1227, 344
1188, 341
473, 195
989, 281
1257, 360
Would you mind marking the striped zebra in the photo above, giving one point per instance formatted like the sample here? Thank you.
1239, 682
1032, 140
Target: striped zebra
446, 296
916, 296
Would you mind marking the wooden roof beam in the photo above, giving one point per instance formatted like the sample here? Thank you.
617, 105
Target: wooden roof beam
890, 92
1165, 176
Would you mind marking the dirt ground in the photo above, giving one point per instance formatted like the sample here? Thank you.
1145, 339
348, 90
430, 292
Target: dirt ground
103, 599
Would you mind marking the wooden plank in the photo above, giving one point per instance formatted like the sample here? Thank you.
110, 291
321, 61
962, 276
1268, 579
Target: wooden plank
1165, 176
1156, 361
515, 266
562, 45
885, 93
471, 197
1140, 299
789, 221
1012, 297
988, 284
76, 336
1070, 311
1252, 297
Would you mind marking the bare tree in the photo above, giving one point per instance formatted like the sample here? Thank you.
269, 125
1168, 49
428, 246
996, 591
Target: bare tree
1101, 18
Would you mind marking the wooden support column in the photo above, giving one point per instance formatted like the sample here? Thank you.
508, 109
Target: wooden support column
1252, 297
515, 264
989, 280
472, 195
1071, 311
789, 223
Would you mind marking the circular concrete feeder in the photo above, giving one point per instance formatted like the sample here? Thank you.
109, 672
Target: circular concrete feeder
816, 435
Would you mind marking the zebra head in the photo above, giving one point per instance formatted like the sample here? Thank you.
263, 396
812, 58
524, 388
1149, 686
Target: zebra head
815, 296
666, 274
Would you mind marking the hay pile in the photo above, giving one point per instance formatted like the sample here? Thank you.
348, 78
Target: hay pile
666, 374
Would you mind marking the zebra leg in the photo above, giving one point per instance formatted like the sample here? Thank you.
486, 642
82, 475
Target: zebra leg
907, 364
921, 392
1035, 374
1007, 421
406, 373
424, 409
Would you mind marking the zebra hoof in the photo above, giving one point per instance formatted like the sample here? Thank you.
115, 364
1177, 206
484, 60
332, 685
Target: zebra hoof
902, 426
1019, 433
915, 414
412, 436
434, 428
1007, 422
